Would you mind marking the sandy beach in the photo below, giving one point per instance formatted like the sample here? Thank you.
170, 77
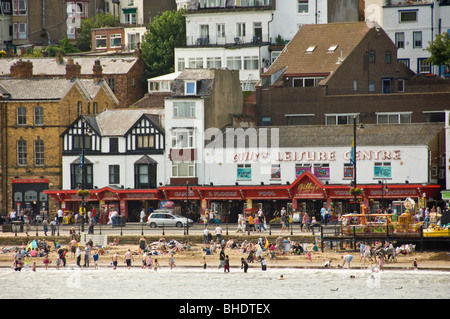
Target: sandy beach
195, 256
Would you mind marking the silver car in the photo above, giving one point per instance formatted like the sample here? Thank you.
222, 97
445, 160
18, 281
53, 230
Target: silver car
167, 218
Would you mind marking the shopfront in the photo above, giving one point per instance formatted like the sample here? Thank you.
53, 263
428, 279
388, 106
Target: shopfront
306, 194
128, 203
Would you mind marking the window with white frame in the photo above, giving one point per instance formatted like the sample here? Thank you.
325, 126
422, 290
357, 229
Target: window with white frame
190, 87
182, 139
100, 41
340, 119
234, 63
180, 64
195, 63
21, 152
213, 62
417, 39
19, 31
240, 30
250, 62
6, 7
21, 115
393, 118
19, 7
183, 169
115, 40
220, 31
302, 6
424, 65
183, 109
400, 40
39, 152
38, 115
130, 18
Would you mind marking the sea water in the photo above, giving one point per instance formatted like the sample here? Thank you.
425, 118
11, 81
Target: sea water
212, 283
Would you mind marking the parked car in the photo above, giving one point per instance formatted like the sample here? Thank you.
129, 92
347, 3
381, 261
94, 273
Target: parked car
167, 218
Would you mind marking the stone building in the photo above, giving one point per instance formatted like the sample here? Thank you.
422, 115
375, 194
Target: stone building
34, 113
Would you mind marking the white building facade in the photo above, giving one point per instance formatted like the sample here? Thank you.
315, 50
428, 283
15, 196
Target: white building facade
411, 25
241, 34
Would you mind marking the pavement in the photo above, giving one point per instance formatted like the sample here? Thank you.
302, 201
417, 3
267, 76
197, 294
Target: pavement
142, 229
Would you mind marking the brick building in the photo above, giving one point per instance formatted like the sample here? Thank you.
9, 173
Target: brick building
352, 71
124, 74
34, 113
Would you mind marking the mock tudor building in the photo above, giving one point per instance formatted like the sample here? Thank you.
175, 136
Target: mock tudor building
123, 161
353, 70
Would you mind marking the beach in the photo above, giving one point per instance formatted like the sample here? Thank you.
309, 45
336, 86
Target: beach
195, 255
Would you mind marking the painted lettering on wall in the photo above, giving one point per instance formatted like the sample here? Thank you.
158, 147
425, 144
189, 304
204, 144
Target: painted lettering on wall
317, 156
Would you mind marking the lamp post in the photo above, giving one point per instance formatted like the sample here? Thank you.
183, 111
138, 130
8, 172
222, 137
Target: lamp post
83, 171
354, 159
187, 205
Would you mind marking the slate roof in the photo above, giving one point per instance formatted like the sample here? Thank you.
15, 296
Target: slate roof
49, 66
204, 78
117, 122
36, 89
321, 37
413, 134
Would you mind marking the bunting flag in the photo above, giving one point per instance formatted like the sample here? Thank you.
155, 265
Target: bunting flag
352, 155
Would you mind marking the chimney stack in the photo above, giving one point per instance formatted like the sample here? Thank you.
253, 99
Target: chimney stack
22, 69
97, 71
73, 70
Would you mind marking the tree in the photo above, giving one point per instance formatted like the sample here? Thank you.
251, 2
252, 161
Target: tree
65, 46
164, 34
440, 50
84, 32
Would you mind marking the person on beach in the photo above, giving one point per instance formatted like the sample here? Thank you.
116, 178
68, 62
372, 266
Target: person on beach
221, 258
244, 265
127, 258
226, 265
114, 258
142, 244
87, 255
156, 265
46, 261
263, 264
309, 256
347, 259
95, 256
171, 262
149, 261
415, 264
204, 263
78, 256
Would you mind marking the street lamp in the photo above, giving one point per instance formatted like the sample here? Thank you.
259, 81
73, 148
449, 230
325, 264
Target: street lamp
354, 158
188, 188
83, 170
383, 188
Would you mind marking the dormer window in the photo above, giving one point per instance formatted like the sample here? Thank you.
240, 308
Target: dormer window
190, 88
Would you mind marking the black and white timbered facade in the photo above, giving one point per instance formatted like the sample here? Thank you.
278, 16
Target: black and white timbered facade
122, 148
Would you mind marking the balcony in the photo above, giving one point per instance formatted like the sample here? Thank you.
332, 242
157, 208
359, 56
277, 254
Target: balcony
227, 41
202, 5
